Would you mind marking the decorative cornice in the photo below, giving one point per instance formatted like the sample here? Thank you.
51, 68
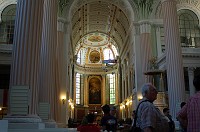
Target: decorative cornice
6, 48
195, 3
96, 70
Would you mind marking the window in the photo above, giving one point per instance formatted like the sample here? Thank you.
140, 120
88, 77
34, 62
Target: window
108, 54
78, 88
81, 56
188, 28
111, 78
7, 25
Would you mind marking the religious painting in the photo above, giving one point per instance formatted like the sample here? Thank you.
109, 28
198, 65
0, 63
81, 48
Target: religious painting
94, 91
94, 56
95, 38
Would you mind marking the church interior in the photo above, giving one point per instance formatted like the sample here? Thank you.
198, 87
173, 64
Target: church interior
63, 59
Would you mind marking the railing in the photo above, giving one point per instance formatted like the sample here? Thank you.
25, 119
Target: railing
182, 45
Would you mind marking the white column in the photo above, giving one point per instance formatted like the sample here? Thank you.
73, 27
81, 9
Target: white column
175, 76
117, 89
48, 56
123, 85
191, 78
86, 101
159, 46
103, 98
61, 72
146, 49
138, 69
26, 48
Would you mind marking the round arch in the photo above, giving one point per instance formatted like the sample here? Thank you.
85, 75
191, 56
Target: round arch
191, 8
125, 6
4, 4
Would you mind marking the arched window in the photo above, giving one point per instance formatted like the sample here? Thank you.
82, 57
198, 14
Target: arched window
81, 56
78, 88
112, 88
188, 28
108, 54
7, 24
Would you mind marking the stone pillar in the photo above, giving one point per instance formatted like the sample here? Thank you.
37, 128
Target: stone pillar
138, 69
174, 62
48, 56
117, 89
129, 81
103, 98
123, 84
191, 78
26, 48
146, 49
61, 72
86, 91
158, 40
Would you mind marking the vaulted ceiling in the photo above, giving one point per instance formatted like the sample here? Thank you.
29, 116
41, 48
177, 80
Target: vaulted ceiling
102, 17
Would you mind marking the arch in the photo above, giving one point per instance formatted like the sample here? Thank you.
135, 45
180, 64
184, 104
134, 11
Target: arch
123, 5
4, 4
191, 8
9, 12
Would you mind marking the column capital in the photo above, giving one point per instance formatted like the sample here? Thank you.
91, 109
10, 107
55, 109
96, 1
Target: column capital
145, 26
136, 28
61, 25
191, 68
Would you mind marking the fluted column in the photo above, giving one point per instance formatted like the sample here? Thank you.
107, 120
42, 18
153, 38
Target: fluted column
48, 56
146, 49
61, 72
158, 40
86, 101
123, 85
26, 48
117, 96
129, 82
103, 89
138, 69
175, 76
191, 78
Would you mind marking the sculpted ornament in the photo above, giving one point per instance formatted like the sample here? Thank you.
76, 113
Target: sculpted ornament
145, 8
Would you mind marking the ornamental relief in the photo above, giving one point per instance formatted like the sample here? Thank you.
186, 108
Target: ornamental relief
195, 3
1, 1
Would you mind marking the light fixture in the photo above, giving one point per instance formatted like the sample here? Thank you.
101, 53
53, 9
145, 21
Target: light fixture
63, 99
140, 97
0, 108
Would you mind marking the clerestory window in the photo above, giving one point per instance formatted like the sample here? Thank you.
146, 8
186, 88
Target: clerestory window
188, 28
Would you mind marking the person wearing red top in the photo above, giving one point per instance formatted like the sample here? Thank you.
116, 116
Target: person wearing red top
90, 127
189, 115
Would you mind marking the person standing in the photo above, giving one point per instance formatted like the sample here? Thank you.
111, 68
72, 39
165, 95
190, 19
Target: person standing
113, 111
90, 126
133, 117
189, 115
148, 117
169, 118
108, 122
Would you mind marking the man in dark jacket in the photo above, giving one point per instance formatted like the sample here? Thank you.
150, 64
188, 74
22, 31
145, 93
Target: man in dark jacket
170, 121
